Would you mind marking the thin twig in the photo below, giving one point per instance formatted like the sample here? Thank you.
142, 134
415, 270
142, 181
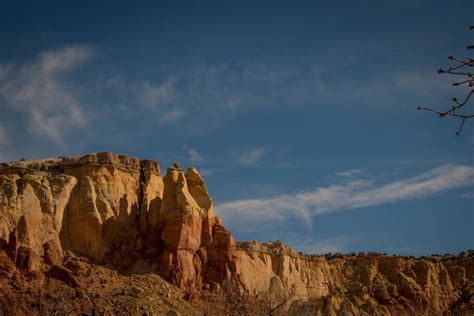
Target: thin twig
453, 109
455, 70
462, 61
442, 114
463, 82
456, 73
460, 127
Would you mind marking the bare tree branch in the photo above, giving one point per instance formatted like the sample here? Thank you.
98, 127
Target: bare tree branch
471, 81
469, 62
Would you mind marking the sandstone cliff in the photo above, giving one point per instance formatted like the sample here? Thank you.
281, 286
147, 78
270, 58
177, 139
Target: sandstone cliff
116, 209
358, 284
121, 212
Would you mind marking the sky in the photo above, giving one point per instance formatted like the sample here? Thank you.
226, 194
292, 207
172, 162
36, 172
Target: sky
300, 115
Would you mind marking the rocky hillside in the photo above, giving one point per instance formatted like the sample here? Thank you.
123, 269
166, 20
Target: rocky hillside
92, 231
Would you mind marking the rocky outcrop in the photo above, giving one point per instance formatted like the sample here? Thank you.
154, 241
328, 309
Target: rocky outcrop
122, 212
116, 209
357, 284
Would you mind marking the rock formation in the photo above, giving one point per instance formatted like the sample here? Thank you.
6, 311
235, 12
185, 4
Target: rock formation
116, 209
373, 283
121, 212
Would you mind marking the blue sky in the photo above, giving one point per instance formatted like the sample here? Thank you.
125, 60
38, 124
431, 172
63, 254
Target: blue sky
300, 115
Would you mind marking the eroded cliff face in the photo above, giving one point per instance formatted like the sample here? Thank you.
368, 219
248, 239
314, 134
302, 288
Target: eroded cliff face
372, 284
116, 209
121, 211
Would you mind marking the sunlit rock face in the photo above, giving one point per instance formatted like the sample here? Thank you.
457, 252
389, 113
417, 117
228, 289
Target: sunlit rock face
358, 284
117, 210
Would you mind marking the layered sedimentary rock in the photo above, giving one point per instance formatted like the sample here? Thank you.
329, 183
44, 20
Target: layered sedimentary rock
121, 211
357, 284
116, 209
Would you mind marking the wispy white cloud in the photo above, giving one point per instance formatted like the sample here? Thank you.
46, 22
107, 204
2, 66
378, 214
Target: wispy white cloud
349, 173
195, 157
216, 92
206, 172
38, 91
171, 115
342, 243
252, 157
156, 96
348, 195
467, 195
423, 82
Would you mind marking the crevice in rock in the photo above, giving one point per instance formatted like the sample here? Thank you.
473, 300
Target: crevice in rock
141, 190
65, 221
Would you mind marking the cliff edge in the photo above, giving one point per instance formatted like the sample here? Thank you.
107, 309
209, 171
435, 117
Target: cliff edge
122, 213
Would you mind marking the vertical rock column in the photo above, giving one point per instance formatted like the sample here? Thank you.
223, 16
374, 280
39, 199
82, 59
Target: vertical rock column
181, 235
197, 247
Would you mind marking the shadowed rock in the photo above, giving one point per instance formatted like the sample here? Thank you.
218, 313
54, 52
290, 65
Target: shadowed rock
121, 211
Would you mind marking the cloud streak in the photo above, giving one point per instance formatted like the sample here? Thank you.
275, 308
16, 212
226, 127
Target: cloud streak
215, 92
349, 173
38, 91
252, 157
195, 157
348, 195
